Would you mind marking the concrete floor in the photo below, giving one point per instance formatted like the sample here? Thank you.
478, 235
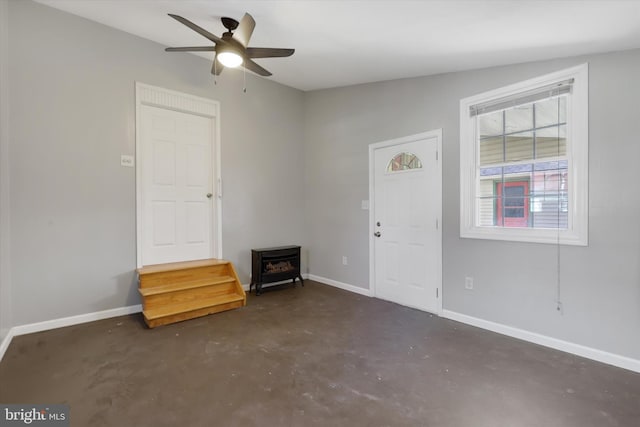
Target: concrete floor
312, 356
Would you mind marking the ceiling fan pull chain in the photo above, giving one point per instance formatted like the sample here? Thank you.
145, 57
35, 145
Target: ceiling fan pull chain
244, 74
215, 70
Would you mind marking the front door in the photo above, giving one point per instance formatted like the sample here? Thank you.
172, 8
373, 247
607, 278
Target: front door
406, 215
177, 185
513, 204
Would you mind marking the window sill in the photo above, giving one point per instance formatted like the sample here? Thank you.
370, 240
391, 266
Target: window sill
526, 235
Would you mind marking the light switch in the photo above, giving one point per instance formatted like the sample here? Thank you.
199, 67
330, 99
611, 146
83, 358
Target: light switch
126, 160
364, 205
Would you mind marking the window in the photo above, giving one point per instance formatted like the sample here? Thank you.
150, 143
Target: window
404, 161
524, 161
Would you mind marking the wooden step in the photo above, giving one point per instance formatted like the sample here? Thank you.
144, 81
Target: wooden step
190, 284
183, 311
167, 274
173, 309
182, 265
189, 294
183, 290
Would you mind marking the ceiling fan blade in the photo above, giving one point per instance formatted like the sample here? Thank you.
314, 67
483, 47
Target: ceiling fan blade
216, 67
268, 52
252, 66
191, 49
196, 28
244, 30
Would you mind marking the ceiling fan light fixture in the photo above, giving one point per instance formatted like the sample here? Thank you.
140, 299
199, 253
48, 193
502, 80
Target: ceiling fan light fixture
229, 58
232, 50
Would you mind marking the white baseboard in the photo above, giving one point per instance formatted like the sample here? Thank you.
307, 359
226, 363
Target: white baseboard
65, 321
577, 349
74, 320
345, 286
4, 345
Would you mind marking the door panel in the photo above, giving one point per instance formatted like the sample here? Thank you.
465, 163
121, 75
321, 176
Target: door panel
164, 213
196, 221
164, 166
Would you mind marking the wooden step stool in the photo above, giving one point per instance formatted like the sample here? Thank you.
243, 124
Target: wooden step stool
184, 290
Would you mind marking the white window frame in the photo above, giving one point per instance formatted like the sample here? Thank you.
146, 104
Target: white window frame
577, 154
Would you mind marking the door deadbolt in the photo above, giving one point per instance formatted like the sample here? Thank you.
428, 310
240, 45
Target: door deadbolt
377, 234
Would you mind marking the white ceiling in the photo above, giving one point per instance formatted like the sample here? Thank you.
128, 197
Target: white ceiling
340, 43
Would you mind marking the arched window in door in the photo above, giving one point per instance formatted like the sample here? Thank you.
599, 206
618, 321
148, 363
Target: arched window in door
404, 161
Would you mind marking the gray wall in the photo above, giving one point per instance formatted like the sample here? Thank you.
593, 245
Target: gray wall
515, 283
72, 115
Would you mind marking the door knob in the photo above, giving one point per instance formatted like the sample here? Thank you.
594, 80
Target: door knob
209, 195
377, 234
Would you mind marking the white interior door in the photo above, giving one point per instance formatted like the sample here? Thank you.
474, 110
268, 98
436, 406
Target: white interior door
406, 214
177, 185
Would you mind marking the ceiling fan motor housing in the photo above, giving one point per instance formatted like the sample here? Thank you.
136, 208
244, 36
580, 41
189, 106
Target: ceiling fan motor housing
229, 23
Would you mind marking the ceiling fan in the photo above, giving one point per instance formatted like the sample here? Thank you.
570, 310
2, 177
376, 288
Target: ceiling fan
232, 48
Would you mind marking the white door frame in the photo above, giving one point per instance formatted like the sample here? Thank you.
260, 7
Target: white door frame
177, 101
437, 133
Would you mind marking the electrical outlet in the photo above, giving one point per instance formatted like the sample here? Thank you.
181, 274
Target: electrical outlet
344, 260
468, 283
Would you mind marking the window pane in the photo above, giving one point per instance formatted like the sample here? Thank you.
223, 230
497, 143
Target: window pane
549, 203
510, 212
490, 124
487, 202
491, 151
550, 210
514, 193
549, 182
404, 161
487, 186
547, 166
486, 208
551, 142
519, 118
518, 171
551, 112
555, 181
519, 147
